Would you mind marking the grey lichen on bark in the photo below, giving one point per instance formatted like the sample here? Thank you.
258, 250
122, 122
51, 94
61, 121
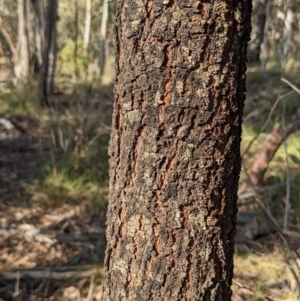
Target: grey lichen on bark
175, 149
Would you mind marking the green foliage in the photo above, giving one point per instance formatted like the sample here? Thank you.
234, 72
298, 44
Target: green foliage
67, 61
78, 175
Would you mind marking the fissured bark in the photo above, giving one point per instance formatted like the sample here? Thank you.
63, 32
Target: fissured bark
175, 149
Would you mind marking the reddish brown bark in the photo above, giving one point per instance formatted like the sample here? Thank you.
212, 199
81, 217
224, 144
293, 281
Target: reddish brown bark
175, 149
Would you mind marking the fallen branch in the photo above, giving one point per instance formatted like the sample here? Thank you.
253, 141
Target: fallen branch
51, 273
263, 157
31, 233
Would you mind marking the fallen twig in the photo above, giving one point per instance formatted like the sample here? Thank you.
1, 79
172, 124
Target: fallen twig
290, 84
267, 121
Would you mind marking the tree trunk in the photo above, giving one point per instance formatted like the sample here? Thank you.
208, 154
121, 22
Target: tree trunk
257, 32
76, 34
103, 37
21, 67
46, 77
39, 32
264, 50
87, 25
29, 17
13, 49
175, 149
287, 37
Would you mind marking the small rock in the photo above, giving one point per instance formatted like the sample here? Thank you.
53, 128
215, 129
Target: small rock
71, 294
18, 216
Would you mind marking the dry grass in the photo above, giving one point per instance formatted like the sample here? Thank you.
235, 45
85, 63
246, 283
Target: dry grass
266, 274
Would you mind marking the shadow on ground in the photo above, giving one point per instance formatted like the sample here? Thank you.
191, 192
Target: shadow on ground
46, 248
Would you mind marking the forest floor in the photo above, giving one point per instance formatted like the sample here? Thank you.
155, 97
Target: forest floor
53, 195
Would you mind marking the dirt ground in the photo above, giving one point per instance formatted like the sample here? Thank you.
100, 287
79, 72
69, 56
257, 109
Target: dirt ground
51, 246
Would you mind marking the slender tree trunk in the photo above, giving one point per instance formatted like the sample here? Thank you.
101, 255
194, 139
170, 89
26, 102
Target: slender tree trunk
39, 31
265, 43
29, 17
76, 33
10, 43
87, 25
287, 37
175, 149
257, 33
103, 31
46, 77
21, 67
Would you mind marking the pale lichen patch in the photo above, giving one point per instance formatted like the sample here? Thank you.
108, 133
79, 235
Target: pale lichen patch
157, 98
132, 225
120, 265
179, 87
133, 117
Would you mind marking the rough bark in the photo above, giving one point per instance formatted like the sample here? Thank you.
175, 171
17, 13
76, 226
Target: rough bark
257, 32
175, 149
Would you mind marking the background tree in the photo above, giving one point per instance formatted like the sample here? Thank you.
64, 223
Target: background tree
175, 149
87, 24
257, 33
20, 49
46, 77
39, 31
21, 68
103, 30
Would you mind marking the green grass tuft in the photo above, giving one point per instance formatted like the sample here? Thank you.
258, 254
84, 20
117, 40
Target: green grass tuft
81, 180
20, 101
